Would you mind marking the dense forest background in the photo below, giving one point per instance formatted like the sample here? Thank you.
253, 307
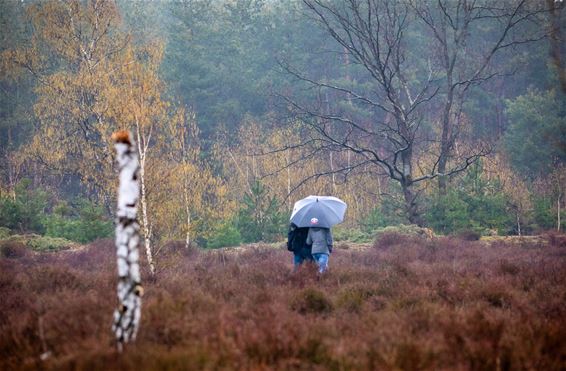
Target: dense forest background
446, 114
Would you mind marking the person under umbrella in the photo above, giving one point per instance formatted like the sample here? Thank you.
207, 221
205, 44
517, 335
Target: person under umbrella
321, 241
297, 243
319, 213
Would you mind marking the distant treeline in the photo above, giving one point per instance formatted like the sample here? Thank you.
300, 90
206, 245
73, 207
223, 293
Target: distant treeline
438, 113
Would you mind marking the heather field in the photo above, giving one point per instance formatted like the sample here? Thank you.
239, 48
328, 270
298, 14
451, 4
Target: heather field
402, 303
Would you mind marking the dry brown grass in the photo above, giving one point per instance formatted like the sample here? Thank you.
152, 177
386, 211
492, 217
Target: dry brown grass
405, 303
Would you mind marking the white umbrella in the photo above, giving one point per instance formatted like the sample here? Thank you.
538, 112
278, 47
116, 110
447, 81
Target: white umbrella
318, 211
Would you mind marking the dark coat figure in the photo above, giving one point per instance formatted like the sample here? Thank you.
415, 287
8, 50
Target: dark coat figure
297, 243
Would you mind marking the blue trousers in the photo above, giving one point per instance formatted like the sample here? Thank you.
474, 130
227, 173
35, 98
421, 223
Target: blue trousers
322, 261
300, 257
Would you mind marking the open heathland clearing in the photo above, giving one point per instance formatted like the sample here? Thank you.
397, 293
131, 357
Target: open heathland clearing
402, 303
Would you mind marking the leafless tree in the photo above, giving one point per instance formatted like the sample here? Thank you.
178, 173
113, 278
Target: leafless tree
463, 54
373, 33
557, 41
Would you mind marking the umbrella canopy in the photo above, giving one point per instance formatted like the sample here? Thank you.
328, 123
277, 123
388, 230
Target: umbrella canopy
318, 211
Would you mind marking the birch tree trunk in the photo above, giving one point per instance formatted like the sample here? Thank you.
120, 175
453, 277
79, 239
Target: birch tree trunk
127, 315
142, 150
558, 222
187, 207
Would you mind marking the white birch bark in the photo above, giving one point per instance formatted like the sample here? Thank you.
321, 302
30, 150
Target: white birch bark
142, 150
187, 208
127, 315
558, 222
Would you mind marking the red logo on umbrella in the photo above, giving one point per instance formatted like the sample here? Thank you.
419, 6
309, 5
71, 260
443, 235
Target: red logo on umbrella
314, 221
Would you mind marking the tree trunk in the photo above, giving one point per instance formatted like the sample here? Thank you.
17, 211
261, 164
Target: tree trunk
288, 166
333, 175
445, 141
556, 41
442, 181
188, 211
327, 102
558, 221
411, 205
143, 200
127, 315
146, 227
188, 235
558, 200
407, 180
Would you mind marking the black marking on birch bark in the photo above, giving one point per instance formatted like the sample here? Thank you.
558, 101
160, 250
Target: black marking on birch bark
130, 325
133, 287
125, 221
117, 324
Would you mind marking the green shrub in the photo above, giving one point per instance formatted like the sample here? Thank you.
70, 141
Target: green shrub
26, 211
402, 229
49, 244
544, 213
40, 243
83, 224
474, 204
341, 233
259, 218
4, 233
391, 211
224, 235
448, 214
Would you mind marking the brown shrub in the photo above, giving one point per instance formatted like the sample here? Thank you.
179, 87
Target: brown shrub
412, 356
13, 249
311, 301
469, 235
389, 239
475, 339
419, 303
555, 239
176, 248
507, 267
352, 299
